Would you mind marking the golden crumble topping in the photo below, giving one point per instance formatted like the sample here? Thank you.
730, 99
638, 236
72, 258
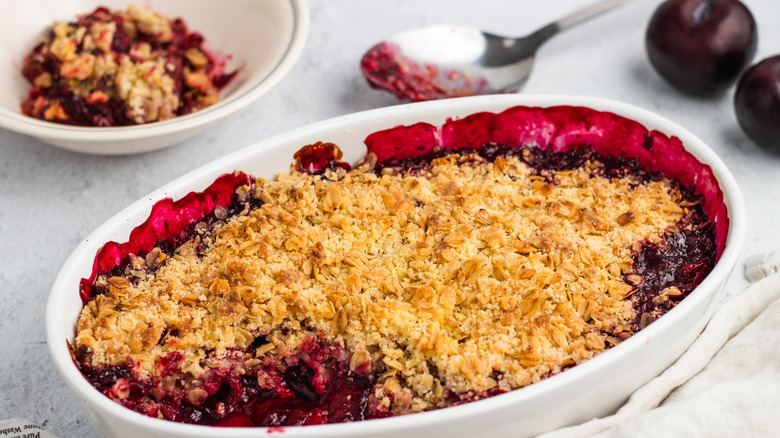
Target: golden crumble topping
465, 278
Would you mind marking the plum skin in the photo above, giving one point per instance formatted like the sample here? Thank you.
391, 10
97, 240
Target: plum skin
701, 46
757, 103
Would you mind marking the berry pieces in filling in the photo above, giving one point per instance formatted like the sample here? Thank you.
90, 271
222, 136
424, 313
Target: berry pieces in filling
120, 68
335, 294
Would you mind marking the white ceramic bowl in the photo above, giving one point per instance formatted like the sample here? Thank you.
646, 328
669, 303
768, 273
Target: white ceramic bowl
263, 38
595, 388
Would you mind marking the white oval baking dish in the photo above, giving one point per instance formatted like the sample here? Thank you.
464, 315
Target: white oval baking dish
593, 389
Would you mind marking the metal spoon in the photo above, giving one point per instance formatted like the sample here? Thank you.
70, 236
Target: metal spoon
447, 61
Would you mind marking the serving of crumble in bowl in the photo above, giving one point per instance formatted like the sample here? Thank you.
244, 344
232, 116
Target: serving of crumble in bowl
114, 77
484, 266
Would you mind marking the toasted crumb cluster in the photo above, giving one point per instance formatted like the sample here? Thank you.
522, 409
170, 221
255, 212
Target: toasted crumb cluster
466, 279
119, 68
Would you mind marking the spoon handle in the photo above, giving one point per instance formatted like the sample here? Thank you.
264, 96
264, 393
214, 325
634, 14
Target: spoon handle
586, 13
575, 18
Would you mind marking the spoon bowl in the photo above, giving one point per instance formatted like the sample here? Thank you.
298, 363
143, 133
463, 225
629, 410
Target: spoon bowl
444, 61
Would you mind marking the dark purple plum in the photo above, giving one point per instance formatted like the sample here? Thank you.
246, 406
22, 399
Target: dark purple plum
757, 103
701, 46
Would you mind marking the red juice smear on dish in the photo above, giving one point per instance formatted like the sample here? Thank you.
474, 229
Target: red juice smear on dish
167, 221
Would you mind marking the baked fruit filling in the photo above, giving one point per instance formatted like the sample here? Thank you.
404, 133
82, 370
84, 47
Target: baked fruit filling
431, 274
112, 68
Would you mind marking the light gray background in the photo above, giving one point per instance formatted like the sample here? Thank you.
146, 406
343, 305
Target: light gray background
50, 199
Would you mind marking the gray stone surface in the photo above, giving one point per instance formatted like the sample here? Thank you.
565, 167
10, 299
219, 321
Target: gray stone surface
50, 199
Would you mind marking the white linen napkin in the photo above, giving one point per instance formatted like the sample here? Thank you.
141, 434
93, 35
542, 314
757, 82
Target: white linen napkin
727, 384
